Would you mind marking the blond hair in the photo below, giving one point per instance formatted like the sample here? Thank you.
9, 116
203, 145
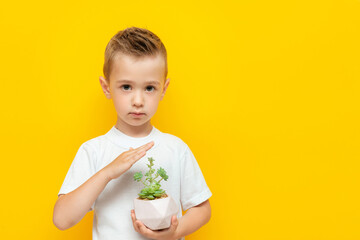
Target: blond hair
135, 42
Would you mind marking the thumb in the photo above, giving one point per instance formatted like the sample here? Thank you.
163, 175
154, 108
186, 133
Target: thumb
174, 221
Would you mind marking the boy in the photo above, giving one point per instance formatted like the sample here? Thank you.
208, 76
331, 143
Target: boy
101, 175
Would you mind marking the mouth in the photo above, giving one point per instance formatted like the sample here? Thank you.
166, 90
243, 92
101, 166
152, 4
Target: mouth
137, 114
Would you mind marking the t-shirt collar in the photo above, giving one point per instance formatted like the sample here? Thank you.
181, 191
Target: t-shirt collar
121, 139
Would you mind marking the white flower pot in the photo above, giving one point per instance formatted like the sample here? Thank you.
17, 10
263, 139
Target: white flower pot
155, 214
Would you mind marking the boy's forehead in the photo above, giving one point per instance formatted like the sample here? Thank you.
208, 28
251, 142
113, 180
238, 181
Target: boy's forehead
125, 67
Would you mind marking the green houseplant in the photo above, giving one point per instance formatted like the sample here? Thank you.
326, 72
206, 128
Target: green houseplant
152, 187
153, 206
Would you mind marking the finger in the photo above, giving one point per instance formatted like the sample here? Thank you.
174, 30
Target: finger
133, 218
174, 223
141, 149
134, 155
131, 158
131, 151
144, 230
128, 151
137, 156
147, 146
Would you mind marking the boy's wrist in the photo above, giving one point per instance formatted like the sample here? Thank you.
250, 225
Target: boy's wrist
105, 173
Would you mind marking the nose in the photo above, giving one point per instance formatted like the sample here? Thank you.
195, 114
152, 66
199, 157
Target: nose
138, 99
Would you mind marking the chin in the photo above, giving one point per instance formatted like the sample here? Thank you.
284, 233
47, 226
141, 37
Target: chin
137, 123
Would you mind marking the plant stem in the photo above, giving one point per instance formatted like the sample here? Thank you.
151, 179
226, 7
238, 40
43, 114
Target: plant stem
156, 176
150, 177
143, 182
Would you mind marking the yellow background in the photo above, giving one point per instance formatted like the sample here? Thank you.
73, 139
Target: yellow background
265, 93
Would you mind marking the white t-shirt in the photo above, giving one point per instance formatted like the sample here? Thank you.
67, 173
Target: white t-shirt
112, 219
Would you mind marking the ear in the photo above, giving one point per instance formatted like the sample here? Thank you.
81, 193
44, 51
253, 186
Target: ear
105, 87
165, 87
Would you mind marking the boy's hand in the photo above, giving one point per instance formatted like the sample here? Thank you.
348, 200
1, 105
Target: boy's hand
125, 160
164, 234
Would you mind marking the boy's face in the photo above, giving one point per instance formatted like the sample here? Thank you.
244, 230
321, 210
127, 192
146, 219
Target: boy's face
136, 86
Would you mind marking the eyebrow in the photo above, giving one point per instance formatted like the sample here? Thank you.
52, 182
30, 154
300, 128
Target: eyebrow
128, 81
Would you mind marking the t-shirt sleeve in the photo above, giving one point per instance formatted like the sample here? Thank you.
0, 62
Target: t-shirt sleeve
82, 168
194, 189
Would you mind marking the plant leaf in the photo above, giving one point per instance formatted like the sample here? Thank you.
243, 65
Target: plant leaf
163, 174
138, 176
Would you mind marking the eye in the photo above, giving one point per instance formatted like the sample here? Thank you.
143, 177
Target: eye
125, 87
150, 88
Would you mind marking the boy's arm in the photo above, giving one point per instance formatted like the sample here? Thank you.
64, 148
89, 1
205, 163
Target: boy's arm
193, 219
71, 208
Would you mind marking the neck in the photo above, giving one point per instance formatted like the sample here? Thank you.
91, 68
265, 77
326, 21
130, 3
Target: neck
134, 131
